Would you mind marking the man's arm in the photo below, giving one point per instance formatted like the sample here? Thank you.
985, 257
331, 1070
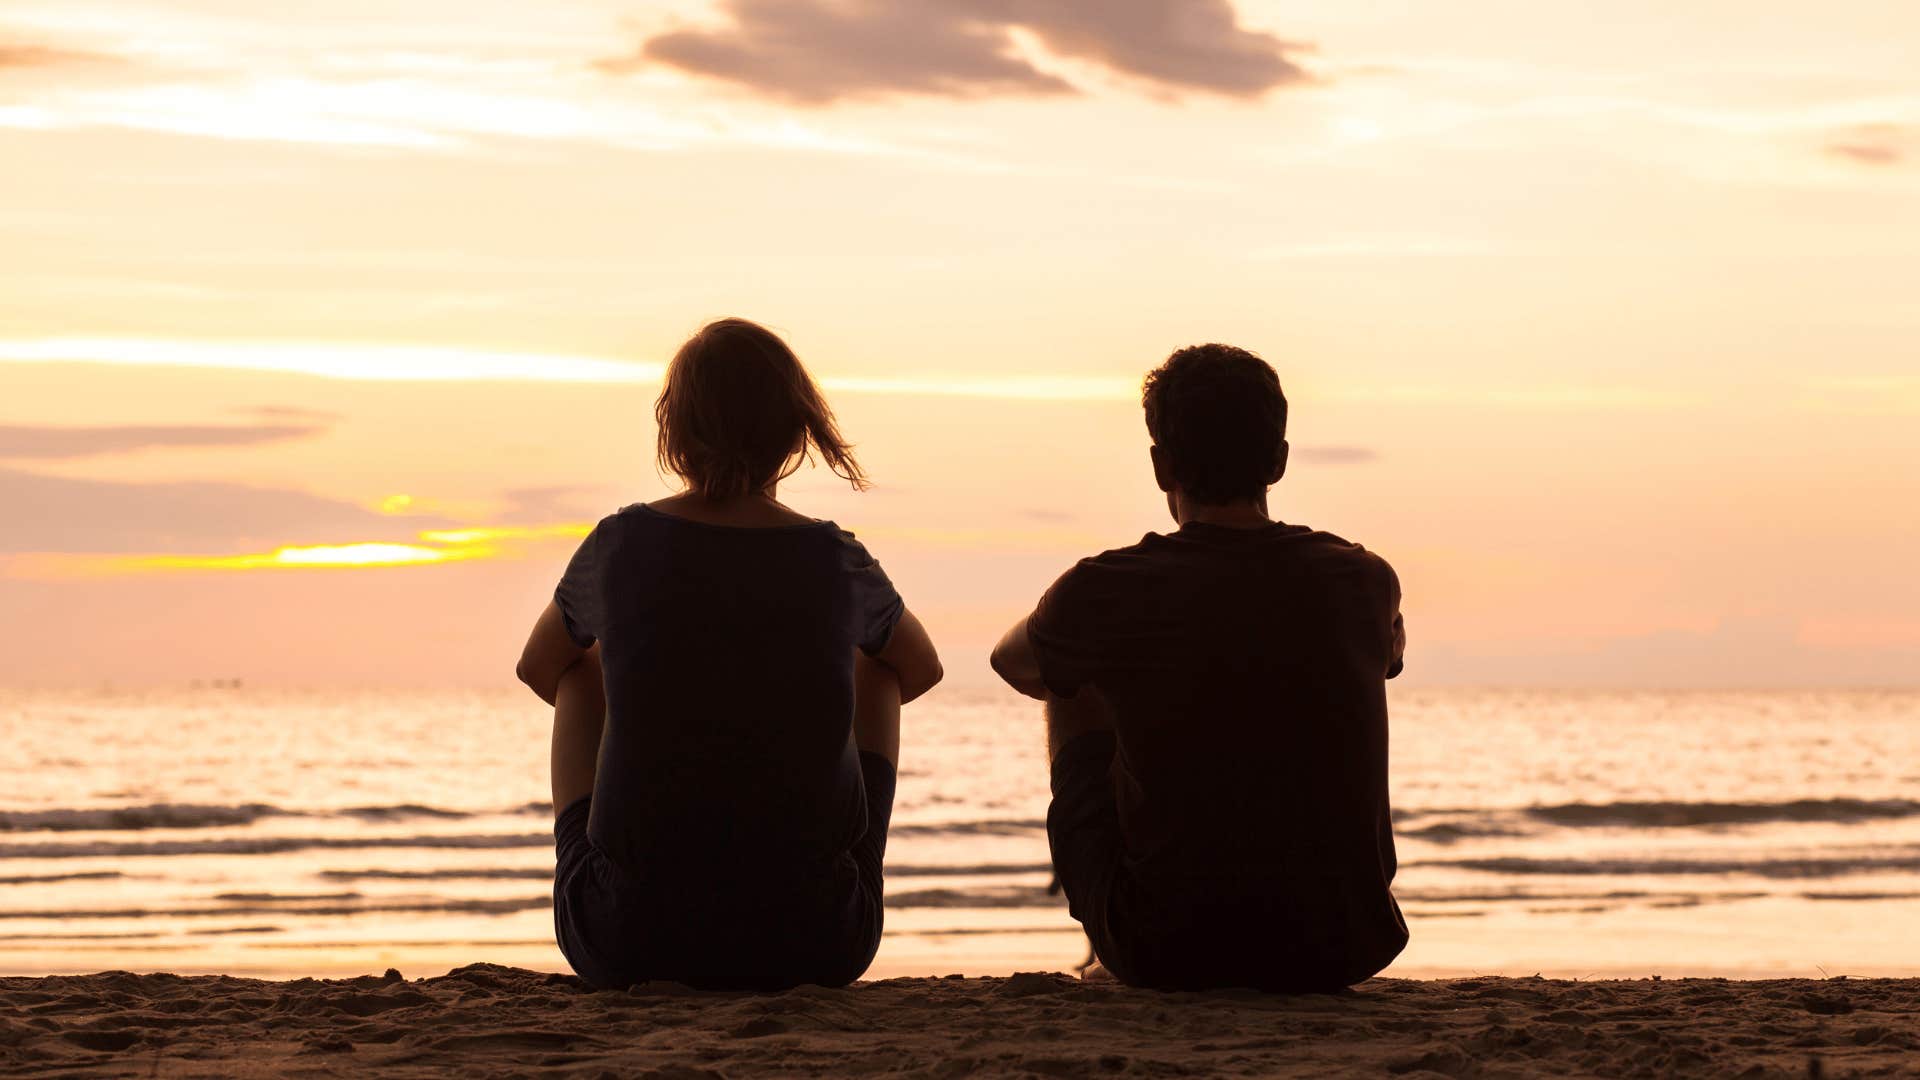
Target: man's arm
1015, 661
1398, 660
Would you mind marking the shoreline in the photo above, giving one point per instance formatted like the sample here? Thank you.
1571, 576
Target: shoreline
970, 968
484, 1018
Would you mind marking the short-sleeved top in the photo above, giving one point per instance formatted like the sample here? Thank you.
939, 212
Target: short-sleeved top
1246, 672
728, 654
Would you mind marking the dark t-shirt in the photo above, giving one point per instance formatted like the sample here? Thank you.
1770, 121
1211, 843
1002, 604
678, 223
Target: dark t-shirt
728, 655
1246, 672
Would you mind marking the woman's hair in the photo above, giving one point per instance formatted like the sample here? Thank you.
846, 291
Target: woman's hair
738, 412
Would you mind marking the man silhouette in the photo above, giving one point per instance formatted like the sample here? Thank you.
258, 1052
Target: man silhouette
1217, 717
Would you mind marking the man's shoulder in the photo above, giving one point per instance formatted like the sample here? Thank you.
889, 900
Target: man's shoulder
1335, 547
1102, 578
1163, 555
1338, 559
1149, 549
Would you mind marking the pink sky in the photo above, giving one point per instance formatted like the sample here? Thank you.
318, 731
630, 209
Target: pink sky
1611, 351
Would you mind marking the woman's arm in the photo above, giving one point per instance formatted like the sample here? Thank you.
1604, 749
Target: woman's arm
876, 708
579, 715
911, 655
549, 654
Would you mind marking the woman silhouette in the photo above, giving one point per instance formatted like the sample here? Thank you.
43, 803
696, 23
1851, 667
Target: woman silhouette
724, 826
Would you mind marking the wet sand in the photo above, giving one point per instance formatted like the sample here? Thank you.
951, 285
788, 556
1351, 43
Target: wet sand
486, 1020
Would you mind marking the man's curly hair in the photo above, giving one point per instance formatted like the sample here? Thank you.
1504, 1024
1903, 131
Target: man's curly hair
1218, 416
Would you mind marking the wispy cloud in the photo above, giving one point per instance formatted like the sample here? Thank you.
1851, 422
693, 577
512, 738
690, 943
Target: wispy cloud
22, 441
1541, 397
1866, 395
25, 54
1009, 387
298, 413
1371, 247
372, 362
559, 502
1874, 144
815, 52
418, 363
422, 363
1337, 455
412, 113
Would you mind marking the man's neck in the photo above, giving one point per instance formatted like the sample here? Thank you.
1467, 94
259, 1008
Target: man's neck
1244, 514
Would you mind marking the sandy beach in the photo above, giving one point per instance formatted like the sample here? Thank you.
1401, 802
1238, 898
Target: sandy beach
490, 1020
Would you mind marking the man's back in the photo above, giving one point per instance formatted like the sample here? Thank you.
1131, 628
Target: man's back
1217, 714
1245, 671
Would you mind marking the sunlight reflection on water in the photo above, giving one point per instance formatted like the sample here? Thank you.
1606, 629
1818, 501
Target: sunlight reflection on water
298, 832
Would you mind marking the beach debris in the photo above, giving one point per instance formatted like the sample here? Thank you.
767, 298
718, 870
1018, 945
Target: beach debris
1029, 983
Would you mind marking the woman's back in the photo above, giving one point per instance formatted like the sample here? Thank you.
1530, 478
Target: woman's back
727, 677
728, 659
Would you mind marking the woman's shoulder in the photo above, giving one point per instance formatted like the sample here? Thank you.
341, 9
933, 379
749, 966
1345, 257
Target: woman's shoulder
854, 555
740, 515
617, 522
664, 515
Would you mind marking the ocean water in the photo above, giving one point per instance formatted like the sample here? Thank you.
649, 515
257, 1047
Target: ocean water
323, 832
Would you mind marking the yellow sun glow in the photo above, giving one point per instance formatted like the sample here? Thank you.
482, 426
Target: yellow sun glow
323, 555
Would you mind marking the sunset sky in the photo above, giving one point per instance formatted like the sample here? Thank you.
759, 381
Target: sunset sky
1599, 322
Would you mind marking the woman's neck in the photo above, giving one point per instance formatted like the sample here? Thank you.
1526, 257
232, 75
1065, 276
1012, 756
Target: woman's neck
752, 510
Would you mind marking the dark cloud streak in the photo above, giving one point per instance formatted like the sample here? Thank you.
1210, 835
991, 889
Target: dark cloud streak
1874, 145
1867, 153
546, 505
289, 412
67, 514
815, 52
1177, 44
18, 441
